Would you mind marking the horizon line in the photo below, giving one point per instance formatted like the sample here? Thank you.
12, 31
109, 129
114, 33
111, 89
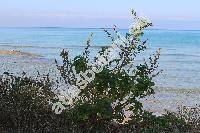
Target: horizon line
61, 27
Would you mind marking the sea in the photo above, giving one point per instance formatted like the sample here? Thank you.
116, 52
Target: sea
180, 49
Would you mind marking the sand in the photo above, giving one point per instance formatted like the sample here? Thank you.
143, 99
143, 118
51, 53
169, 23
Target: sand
18, 53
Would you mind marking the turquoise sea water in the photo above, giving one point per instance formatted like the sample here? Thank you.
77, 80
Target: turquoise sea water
180, 54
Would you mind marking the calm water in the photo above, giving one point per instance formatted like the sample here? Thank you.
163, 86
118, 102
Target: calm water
180, 58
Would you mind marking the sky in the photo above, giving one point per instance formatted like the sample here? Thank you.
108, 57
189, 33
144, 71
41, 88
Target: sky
165, 14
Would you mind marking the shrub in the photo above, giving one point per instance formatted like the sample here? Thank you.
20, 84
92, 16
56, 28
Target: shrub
167, 123
117, 86
24, 104
191, 116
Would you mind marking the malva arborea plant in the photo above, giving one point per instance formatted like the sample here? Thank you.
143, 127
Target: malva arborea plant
110, 84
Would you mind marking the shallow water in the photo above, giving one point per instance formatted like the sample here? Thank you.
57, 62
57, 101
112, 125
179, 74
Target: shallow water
180, 56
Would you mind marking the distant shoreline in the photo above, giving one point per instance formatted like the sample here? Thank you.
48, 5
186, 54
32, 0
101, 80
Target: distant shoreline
18, 53
103, 28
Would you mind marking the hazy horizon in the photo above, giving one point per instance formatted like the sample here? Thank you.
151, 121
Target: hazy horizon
175, 15
164, 29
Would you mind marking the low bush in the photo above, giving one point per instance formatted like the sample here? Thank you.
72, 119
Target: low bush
25, 105
112, 83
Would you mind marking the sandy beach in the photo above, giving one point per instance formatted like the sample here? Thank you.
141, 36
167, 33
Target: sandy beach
18, 53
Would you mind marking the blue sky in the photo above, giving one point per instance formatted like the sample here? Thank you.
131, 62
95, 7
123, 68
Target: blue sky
166, 14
